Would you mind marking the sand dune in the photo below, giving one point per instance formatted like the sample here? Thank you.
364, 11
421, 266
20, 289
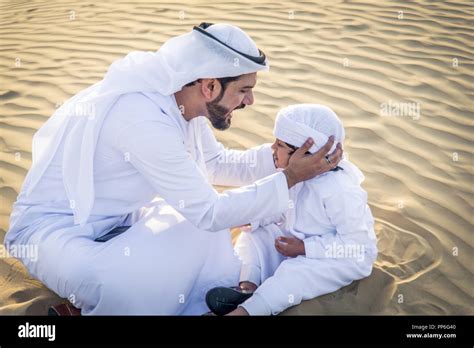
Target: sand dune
400, 75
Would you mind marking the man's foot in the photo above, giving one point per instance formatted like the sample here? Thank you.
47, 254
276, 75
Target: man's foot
222, 300
63, 309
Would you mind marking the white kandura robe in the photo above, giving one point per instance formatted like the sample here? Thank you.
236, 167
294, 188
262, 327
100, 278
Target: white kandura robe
330, 214
176, 249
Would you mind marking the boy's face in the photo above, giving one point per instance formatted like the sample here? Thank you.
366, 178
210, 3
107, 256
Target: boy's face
281, 153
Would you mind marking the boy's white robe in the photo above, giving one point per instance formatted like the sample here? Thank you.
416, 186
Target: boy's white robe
333, 219
169, 258
329, 213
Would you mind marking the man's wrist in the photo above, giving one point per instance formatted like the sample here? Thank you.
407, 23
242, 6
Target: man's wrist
302, 249
290, 179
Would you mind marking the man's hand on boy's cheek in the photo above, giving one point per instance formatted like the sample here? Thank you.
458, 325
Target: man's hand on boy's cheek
289, 246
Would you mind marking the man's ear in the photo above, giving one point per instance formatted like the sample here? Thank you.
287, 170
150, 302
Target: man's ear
210, 88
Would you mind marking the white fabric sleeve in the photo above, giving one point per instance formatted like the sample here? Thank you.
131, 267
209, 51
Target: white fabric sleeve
349, 213
276, 219
235, 167
256, 305
156, 150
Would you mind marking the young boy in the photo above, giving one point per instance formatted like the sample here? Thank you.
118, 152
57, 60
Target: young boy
323, 242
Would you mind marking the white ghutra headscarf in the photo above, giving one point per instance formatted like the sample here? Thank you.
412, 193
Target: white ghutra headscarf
210, 51
296, 123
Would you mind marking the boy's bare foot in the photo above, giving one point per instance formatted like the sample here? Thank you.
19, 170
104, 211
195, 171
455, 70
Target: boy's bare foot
248, 286
239, 311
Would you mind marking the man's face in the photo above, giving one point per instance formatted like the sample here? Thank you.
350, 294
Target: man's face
237, 95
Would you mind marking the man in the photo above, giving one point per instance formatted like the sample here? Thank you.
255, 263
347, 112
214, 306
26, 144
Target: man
132, 150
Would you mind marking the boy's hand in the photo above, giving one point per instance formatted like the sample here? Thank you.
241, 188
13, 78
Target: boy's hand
289, 246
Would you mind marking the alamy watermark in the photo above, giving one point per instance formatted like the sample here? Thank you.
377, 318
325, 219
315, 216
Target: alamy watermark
401, 109
20, 251
78, 109
345, 251
37, 331
247, 157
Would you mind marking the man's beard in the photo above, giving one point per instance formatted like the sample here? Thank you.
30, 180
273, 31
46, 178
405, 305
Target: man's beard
218, 114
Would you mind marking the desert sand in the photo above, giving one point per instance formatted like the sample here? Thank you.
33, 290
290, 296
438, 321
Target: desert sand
399, 74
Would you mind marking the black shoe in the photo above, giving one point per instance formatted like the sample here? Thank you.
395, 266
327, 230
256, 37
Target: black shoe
222, 300
63, 309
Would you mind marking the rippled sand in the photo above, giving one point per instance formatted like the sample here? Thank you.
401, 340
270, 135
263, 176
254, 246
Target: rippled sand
401, 81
